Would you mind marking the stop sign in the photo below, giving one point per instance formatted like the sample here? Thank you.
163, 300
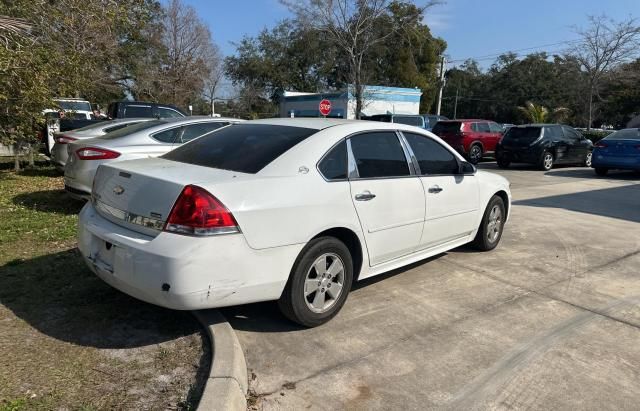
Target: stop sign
325, 107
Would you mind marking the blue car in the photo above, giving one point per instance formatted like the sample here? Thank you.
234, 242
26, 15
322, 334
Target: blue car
617, 151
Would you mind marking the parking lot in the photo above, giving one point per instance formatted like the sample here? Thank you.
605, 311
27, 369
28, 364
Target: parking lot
548, 320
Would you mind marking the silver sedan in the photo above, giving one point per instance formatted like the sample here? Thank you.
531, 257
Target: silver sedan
148, 139
59, 154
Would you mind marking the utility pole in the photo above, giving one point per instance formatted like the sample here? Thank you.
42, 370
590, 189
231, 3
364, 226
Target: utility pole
455, 105
441, 86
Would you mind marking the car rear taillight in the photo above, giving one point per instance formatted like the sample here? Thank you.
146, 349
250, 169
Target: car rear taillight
94, 153
601, 145
197, 212
64, 139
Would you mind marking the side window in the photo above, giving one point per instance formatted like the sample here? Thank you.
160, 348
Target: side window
571, 134
379, 155
164, 112
474, 127
553, 133
495, 128
169, 136
484, 127
432, 157
137, 111
334, 165
196, 130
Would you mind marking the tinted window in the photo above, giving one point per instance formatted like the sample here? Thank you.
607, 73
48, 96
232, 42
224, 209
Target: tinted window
246, 148
409, 120
447, 127
134, 129
164, 112
432, 157
379, 155
334, 165
522, 134
380, 117
474, 127
553, 133
626, 134
74, 105
196, 130
118, 127
495, 128
483, 127
571, 134
169, 136
138, 111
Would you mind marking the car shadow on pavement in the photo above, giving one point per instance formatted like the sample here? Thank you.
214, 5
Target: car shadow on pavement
266, 316
49, 201
59, 296
621, 202
589, 173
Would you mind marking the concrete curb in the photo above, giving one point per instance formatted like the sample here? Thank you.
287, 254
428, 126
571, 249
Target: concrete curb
227, 384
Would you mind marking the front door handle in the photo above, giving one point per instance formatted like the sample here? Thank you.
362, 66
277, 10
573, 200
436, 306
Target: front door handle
365, 196
435, 189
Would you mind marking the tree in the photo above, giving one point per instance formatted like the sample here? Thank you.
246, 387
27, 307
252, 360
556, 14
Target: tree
603, 47
536, 113
215, 73
351, 27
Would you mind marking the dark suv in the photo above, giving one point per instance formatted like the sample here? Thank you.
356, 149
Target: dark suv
543, 145
139, 109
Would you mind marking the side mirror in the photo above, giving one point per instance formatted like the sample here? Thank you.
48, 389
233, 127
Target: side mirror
467, 168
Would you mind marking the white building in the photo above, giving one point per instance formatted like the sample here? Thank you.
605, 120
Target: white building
377, 100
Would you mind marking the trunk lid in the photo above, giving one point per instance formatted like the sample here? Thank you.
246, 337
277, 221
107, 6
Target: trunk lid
620, 147
140, 194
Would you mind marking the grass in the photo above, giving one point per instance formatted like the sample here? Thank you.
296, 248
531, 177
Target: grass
69, 341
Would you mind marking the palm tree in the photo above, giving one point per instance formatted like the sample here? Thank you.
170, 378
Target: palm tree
537, 113
12, 27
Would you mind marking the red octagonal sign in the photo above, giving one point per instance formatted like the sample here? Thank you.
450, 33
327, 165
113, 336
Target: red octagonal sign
325, 107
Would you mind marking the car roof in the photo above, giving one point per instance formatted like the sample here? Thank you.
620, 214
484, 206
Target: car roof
307, 122
463, 120
198, 119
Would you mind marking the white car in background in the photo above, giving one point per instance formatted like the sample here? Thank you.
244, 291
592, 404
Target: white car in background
147, 139
73, 108
59, 154
293, 210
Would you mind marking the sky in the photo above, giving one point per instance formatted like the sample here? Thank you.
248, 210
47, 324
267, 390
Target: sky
471, 28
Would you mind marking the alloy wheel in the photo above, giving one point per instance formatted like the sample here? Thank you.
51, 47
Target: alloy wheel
475, 154
494, 224
547, 161
324, 282
587, 160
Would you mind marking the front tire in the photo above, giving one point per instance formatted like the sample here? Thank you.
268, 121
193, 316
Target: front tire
490, 231
587, 159
319, 282
546, 161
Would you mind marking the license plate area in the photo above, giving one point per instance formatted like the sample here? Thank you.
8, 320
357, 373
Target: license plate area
103, 254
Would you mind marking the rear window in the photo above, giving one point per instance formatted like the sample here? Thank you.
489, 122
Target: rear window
74, 105
626, 134
245, 148
125, 131
138, 111
447, 127
522, 134
409, 120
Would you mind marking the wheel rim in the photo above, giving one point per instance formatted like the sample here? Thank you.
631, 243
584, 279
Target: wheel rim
324, 283
588, 159
494, 224
548, 161
475, 153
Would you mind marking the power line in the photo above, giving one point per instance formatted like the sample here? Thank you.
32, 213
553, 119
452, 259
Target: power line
494, 55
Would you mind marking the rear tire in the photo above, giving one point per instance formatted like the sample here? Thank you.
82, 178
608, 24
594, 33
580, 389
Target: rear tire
319, 282
601, 171
546, 161
502, 163
475, 154
490, 231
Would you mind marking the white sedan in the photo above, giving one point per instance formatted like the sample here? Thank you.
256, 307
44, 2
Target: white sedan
293, 210
149, 139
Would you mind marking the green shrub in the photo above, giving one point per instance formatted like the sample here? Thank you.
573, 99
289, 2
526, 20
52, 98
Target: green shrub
596, 135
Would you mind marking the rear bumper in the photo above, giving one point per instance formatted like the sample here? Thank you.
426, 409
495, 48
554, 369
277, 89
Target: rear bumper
182, 272
618, 163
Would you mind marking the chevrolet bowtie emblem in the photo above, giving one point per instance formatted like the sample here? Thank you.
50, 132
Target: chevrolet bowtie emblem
117, 190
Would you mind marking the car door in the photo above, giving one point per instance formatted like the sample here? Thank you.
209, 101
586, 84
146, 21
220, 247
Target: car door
496, 135
388, 199
577, 145
559, 143
484, 134
452, 199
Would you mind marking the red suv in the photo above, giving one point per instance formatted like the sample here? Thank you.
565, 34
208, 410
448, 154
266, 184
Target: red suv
471, 138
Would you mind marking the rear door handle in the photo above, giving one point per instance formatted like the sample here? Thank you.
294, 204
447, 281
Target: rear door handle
365, 196
435, 189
